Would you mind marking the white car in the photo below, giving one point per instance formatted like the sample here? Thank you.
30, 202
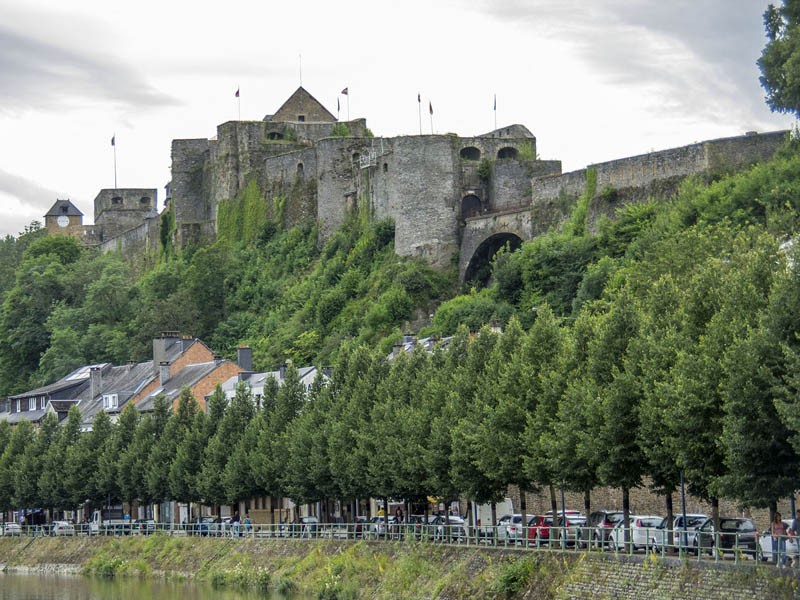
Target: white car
642, 529
765, 544
63, 528
11, 528
680, 538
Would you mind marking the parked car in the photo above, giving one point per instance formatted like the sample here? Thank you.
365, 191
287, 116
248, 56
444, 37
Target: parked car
680, 539
641, 527
569, 531
62, 528
539, 529
144, 526
765, 543
11, 529
598, 527
377, 526
449, 528
510, 529
734, 534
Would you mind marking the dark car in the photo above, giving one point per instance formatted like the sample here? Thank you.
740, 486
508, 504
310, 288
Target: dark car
735, 534
598, 527
144, 526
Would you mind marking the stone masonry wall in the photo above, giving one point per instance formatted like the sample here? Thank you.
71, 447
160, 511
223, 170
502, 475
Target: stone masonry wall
420, 188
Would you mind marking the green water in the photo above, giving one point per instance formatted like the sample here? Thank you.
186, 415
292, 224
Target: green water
67, 587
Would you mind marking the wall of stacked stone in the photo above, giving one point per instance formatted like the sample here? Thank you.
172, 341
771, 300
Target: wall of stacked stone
293, 177
188, 201
510, 184
643, 577
640, 171
420, 188
139, 242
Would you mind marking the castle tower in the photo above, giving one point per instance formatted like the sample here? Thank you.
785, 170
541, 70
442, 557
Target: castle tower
64, 218
122, 209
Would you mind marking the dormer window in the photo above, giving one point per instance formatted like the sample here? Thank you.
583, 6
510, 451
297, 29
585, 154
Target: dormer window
110, 401
31, 403
64, 209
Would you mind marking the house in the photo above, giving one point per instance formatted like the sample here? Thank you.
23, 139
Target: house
257, 381
56, 397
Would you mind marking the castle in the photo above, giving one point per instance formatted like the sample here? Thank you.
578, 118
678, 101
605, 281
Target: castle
448, 196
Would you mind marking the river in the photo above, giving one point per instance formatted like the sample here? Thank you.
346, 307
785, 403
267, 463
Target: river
74, 587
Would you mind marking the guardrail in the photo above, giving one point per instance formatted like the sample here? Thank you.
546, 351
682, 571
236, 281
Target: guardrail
571, 539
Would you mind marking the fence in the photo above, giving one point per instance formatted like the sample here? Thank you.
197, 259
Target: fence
691, 543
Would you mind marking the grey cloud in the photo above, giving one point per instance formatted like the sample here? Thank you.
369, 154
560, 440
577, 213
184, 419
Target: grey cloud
629, 42
38, 74
35, 200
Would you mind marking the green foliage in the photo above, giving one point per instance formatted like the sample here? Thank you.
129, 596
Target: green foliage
779, 59
527, 151
577, 221
514, 577
472, 310
341, 130
485, 170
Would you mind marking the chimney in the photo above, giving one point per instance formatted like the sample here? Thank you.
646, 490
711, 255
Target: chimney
163, 372
397, 349
161, 345
244, 357
327, 371
243, 376
186, 341
94, 381
282, 372
408, 337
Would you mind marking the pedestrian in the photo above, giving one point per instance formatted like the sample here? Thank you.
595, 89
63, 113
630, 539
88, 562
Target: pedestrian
235, 523
794, 535
248, 523
778, 533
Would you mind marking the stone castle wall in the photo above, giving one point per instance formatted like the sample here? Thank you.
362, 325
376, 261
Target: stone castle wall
141, 242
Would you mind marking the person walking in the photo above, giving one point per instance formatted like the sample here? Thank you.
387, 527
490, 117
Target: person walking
777, 530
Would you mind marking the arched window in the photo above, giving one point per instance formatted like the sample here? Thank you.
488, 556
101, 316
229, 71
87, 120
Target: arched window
507, 152
300, 170
470, 153
470, 206
144, 201
274, 135
116, 200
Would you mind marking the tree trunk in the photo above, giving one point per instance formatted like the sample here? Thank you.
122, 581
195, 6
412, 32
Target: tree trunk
523, 506
667, 534
626, 513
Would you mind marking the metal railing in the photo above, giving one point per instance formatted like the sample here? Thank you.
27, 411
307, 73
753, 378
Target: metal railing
653, 541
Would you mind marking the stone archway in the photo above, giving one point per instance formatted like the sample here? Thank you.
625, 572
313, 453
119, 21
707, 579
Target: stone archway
479, 268
507, 152
470, 206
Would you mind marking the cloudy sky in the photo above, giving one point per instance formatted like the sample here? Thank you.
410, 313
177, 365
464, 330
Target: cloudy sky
593, 80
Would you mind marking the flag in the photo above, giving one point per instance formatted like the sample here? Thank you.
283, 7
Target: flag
237, 92
419, 98
344, 91
113, 140
430, 108
338, 108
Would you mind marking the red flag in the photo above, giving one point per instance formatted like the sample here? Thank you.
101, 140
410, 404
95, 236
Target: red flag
344, 91
237, 92
430, 108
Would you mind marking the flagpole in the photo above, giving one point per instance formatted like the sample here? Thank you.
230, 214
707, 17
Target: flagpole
114, 145
430, 110
419, 110
239, 101
495, 111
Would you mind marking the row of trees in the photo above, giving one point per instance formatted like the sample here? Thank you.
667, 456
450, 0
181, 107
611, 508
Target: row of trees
688, 363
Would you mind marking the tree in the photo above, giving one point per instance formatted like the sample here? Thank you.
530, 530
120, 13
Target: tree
21, 437
81, 468
780, 59
111, 456
53, 486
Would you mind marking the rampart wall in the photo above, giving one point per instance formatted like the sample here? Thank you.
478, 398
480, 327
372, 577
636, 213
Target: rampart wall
640, 171
139, 241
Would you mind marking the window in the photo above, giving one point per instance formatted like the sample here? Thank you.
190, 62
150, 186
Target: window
301, 118
116, 200
18, 405
41, 402
31, 403
110, 401
144, 201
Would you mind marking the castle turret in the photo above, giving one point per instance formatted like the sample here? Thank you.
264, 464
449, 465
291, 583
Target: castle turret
64, 218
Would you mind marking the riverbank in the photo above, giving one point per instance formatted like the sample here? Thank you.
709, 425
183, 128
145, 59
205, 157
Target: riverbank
341, 569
